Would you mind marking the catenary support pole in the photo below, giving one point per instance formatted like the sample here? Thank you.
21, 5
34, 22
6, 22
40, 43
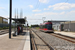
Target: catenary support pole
10, 16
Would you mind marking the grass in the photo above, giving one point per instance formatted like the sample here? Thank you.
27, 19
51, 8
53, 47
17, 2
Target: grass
1, 28
37, 27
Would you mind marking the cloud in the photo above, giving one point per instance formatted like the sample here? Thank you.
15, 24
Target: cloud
49, 14
1, 7
71, 13
36, 10
44, 1
61, 6
62, 13
46, 9
54, 16
31, 6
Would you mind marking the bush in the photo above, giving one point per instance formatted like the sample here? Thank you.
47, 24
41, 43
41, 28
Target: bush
4, 27
1, 28
29, 26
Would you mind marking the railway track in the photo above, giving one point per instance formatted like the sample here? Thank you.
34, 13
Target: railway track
55, 42
5, 31
35, 46
72, 40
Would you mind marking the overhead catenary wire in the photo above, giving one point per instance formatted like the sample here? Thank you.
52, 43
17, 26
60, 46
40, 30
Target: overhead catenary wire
36, 7
67, 1
39, 4
34, 19
62, 4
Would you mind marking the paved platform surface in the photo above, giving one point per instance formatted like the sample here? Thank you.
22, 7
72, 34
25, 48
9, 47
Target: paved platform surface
69, 34
15, 43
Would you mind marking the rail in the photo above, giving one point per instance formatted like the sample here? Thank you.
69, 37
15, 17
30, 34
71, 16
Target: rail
44, 41
33, 43
72, 40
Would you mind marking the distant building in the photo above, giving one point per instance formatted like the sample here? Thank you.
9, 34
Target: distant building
68, 26
3, 22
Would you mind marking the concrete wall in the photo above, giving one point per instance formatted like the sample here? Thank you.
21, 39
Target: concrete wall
4, 25
69, 26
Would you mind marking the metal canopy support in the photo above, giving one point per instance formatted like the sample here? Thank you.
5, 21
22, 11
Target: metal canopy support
10, 18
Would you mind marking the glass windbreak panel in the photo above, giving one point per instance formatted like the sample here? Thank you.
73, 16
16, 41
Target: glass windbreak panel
49, 26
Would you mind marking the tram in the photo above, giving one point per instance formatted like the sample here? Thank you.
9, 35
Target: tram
46, 27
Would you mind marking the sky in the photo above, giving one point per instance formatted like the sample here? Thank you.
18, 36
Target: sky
38, 10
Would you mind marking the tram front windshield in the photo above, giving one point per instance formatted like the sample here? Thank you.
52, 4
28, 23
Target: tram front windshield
49, 26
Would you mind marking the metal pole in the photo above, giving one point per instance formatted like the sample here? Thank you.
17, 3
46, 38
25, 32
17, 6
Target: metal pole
10, 18
15, 21
43, 18
17, 13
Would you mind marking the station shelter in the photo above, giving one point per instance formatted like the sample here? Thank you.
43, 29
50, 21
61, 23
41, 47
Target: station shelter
19, 25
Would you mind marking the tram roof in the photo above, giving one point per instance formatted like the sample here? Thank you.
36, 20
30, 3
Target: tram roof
46, 23
20, 20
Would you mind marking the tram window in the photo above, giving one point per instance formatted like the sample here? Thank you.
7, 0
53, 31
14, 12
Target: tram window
49, 26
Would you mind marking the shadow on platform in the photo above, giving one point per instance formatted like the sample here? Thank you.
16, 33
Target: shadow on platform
21, 35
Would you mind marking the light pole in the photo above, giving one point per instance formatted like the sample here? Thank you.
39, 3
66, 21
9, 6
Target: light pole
27, 25
43, 18
10, 18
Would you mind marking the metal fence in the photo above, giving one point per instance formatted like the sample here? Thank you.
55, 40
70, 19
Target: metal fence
4, 25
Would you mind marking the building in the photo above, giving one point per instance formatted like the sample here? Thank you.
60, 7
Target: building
3, 22
68, 26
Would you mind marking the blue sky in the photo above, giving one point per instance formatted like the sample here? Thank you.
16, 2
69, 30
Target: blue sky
35, 10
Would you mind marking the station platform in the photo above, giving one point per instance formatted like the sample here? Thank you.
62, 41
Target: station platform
19, 42
68, 34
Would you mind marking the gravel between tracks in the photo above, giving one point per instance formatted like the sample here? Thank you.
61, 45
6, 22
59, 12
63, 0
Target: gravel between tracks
56, 43
39, 43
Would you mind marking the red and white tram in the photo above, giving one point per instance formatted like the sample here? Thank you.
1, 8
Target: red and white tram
46, 27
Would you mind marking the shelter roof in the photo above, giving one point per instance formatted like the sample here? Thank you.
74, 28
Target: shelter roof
20, 20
